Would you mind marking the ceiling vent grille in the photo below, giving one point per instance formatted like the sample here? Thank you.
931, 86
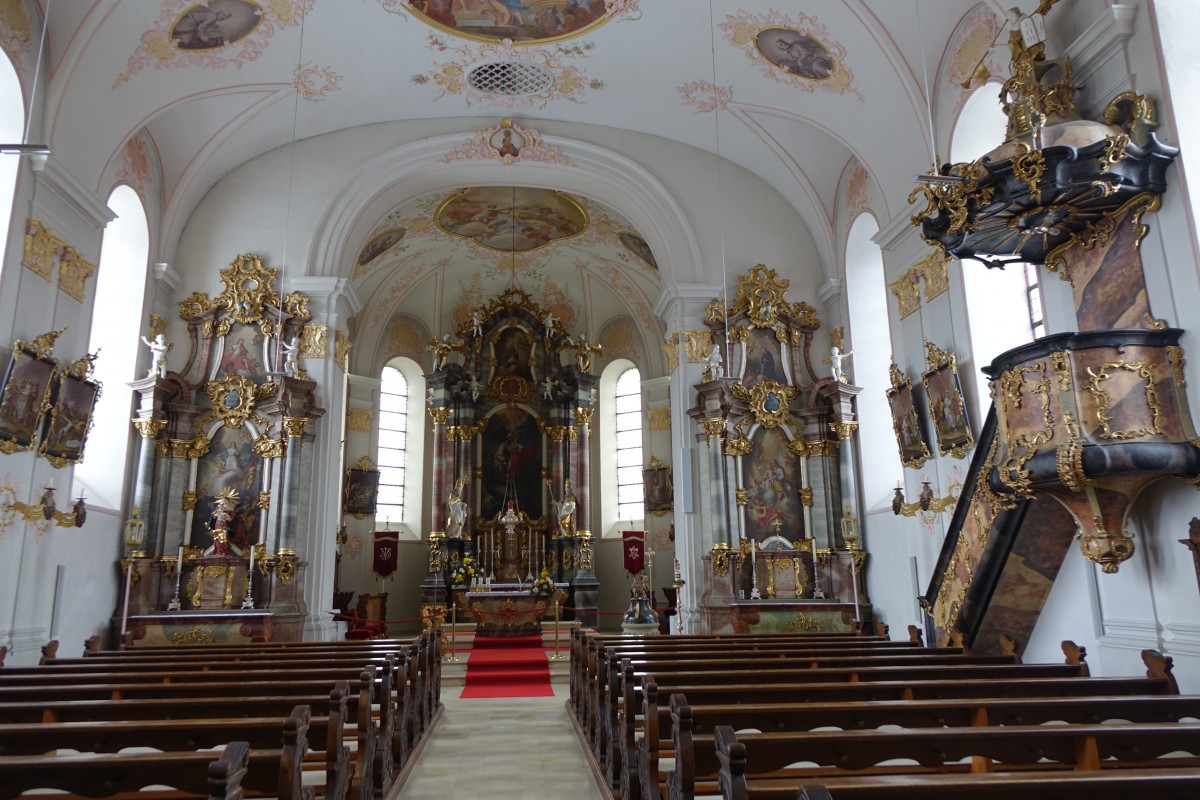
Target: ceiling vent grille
510, 78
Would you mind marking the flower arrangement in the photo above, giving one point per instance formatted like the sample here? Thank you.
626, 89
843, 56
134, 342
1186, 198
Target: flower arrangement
464, 573
543, 586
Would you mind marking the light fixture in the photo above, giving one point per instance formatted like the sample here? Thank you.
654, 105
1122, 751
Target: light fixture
25, 149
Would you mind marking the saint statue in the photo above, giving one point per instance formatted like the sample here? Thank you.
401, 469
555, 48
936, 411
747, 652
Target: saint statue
457, 513
291, 357
566, 512
712, 363
222, 516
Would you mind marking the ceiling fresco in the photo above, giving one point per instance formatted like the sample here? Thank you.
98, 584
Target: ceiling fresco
511, 219
521, 21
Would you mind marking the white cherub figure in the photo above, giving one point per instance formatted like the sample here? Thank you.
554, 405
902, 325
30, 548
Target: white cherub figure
549, 321
158, 355
836, 357
477, 323
548, 389
712, 363
475, 386
291, 357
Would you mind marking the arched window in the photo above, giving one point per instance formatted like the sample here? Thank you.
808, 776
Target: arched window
628, 407
12, 129
115, 331
871, 344
393, 444
1004, 306
401, 392
619, 447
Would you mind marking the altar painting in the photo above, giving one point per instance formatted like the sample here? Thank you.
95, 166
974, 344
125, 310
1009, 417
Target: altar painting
763, 358
513, 349
772, 478
243, 353
511, 219
522, 21
512, 463
229, 465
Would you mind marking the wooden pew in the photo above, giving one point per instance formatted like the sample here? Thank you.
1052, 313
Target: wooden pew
741, 671
381, 750
275, 772
744, 761
689, 721
1160, 784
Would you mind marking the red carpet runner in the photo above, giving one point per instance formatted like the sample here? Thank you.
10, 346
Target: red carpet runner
507, 666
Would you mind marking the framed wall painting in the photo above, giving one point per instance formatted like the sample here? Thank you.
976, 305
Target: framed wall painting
947, 406
659, 497
361, 491
24, 396
910, 437
70, 417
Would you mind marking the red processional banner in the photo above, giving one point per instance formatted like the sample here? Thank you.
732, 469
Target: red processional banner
633, 551
387, 548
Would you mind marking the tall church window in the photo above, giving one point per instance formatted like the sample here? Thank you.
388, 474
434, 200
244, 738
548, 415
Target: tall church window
1004, 306
393, 444
115, 332
628, 406
12, 128
871, 345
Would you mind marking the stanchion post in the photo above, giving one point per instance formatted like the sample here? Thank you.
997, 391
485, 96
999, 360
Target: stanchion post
453, 633
557, 656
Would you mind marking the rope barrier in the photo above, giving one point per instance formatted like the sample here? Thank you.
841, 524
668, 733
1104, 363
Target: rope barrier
357, 618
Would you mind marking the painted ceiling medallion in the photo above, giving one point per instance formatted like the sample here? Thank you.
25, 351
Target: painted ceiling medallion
511, 219
510, 143
796, 51
218, 33
521, 21
637, 245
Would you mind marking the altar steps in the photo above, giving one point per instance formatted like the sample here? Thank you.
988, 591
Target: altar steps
465, 645
507, 666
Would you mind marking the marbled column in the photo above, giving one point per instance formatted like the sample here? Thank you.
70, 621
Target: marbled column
439, 415
149, 428
294, 428
582, 472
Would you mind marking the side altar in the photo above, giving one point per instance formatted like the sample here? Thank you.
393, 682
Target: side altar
776, 468
509, 609
211, 551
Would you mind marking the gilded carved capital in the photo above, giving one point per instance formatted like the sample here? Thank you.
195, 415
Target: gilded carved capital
439, 414
295, 426
713, 426
149, 427
844, 429
583, 416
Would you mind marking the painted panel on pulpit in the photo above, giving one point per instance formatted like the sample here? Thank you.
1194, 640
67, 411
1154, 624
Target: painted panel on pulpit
513, 349
229, 466
772, 479
512, 463
243, 353
764, 360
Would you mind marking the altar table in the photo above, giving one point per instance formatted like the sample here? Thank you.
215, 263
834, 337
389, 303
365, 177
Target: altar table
507, 610
810, 616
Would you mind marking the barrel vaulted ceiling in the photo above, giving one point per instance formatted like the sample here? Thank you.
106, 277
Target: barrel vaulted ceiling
818, 98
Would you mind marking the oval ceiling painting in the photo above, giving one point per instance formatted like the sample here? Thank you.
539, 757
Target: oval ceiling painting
522, 21
217, 23
795, 52
511, 219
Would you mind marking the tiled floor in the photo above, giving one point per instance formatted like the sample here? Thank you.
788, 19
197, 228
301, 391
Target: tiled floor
506, 749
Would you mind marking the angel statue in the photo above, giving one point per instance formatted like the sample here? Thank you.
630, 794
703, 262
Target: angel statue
291, 357
442, 348
583, 352
712, 363
158, 355
836, 357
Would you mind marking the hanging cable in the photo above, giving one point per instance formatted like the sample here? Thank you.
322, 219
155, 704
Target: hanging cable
287, 226
928, 97
712, 41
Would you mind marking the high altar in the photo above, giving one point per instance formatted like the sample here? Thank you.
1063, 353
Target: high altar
219, 472
511, 462
776, 473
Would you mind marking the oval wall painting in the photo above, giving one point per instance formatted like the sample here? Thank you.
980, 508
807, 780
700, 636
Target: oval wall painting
522, 21
795, 52
637, 245
379, 244
215, 24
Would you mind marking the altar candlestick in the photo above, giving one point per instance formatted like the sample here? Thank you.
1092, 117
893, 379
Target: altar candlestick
249, 569
179, 562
